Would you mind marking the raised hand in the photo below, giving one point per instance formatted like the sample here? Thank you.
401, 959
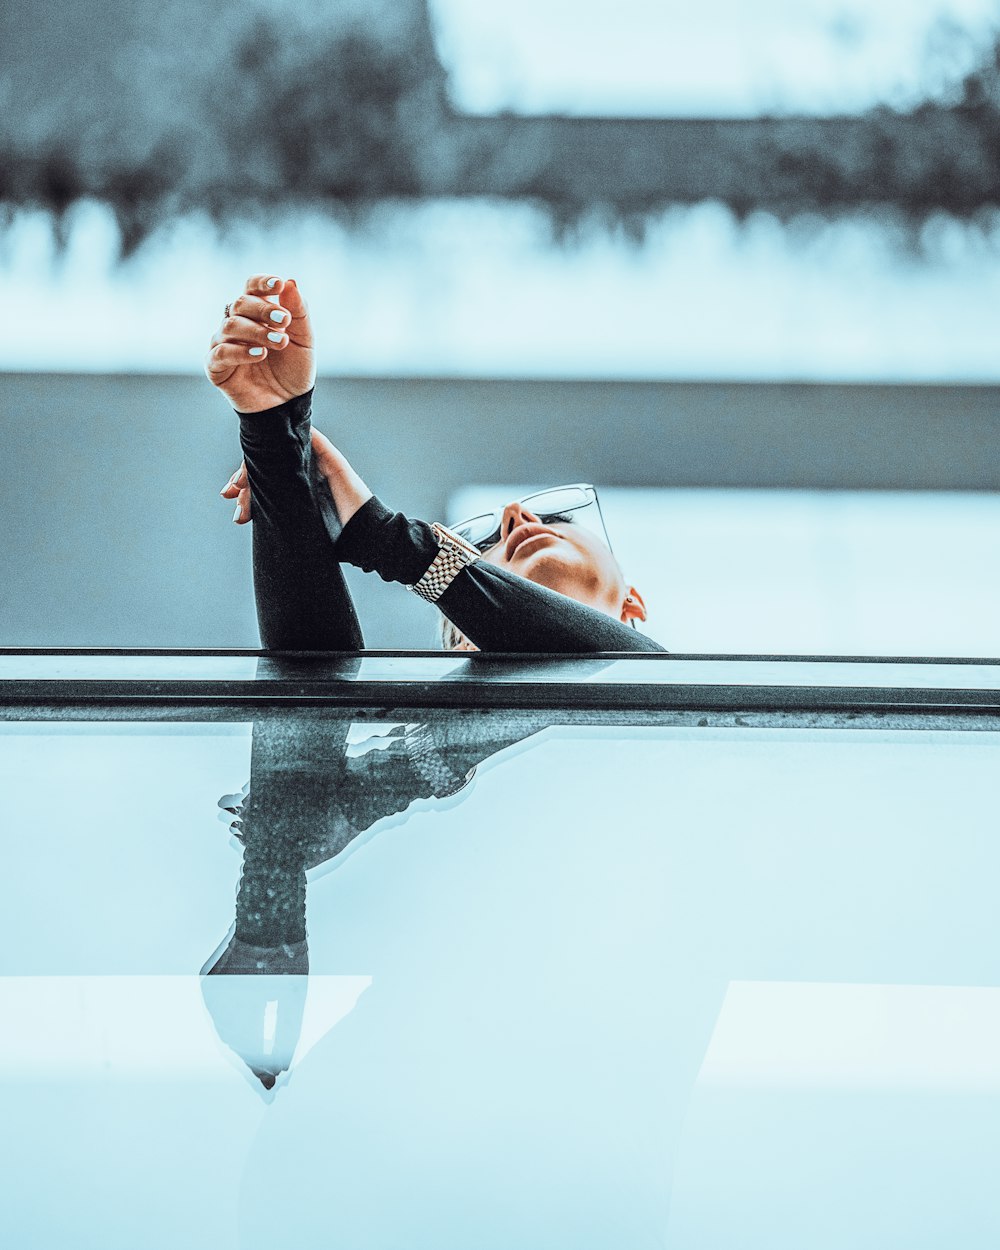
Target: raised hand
262, 354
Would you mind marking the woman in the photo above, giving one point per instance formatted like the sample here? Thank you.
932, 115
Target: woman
542, 587
310, 797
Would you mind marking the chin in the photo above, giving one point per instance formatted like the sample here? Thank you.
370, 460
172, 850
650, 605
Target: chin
544, 567
547, 569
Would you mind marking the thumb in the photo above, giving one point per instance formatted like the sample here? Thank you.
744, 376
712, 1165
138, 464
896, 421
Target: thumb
299, 329
291, 298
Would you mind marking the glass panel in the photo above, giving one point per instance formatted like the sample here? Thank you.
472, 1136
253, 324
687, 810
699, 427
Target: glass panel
627, 986
492, 670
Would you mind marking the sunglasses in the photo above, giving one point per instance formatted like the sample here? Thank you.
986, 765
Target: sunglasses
575, 504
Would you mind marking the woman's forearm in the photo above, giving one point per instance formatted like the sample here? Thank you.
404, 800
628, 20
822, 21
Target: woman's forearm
302, 599
494, 608
347, 491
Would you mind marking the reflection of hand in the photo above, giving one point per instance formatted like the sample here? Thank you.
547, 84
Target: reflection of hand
258, 1016
262, 354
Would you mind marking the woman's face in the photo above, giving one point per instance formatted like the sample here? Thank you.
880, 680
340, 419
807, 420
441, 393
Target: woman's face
568, 558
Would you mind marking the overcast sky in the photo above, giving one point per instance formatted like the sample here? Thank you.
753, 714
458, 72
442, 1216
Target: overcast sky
716, 57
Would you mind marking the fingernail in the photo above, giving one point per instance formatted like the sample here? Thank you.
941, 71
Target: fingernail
278, 315
256, 351
275, 336
236, 514
271, 282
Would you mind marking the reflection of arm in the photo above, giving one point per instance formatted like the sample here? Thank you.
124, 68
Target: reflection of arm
307, 801
424, 761
494, 608
432, 760
335, 799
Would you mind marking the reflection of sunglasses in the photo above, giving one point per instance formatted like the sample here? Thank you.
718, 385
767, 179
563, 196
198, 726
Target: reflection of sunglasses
576, 504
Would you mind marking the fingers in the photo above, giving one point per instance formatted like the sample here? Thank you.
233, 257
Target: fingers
285, 290
257, 324
253, 333
291, 299
251, 315
265, 284
253, 327
225, 357
238, 488
242, 513
267, 297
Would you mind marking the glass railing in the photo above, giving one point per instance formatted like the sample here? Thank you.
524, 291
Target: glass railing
416, 950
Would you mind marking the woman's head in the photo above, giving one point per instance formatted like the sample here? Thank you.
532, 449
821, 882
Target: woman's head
564, 556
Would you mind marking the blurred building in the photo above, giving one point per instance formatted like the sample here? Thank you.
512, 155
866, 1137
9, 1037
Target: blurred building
638, 246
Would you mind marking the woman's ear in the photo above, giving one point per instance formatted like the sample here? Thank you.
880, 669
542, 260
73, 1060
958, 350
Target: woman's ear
633, 609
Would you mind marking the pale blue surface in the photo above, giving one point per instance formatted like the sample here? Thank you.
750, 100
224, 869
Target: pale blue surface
514, 993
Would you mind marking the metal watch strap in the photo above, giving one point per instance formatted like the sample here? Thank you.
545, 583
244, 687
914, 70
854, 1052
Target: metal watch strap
427, 761
453, 556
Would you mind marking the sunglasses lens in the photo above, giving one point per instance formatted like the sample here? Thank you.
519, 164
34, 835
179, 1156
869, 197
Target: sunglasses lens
553, 502
479, 530
572, 504
563, 504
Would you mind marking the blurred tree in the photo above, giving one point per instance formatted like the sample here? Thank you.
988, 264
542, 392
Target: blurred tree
238, 110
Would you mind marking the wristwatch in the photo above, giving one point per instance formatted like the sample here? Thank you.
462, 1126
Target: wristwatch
429, 763
453, 556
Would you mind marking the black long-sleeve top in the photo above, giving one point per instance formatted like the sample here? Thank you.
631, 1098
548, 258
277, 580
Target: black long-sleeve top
302, 599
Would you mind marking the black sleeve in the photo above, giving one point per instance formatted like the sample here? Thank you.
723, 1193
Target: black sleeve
303, 603
494, 608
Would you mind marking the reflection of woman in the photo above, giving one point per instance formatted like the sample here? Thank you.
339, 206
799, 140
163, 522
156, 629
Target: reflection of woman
307, 801
544, 584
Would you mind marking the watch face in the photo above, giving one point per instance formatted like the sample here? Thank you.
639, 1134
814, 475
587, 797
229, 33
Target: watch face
455, 541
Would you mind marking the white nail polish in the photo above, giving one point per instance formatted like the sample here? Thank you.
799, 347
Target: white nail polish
278, 316
275, 336
256, 351
236, 514
272, 282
